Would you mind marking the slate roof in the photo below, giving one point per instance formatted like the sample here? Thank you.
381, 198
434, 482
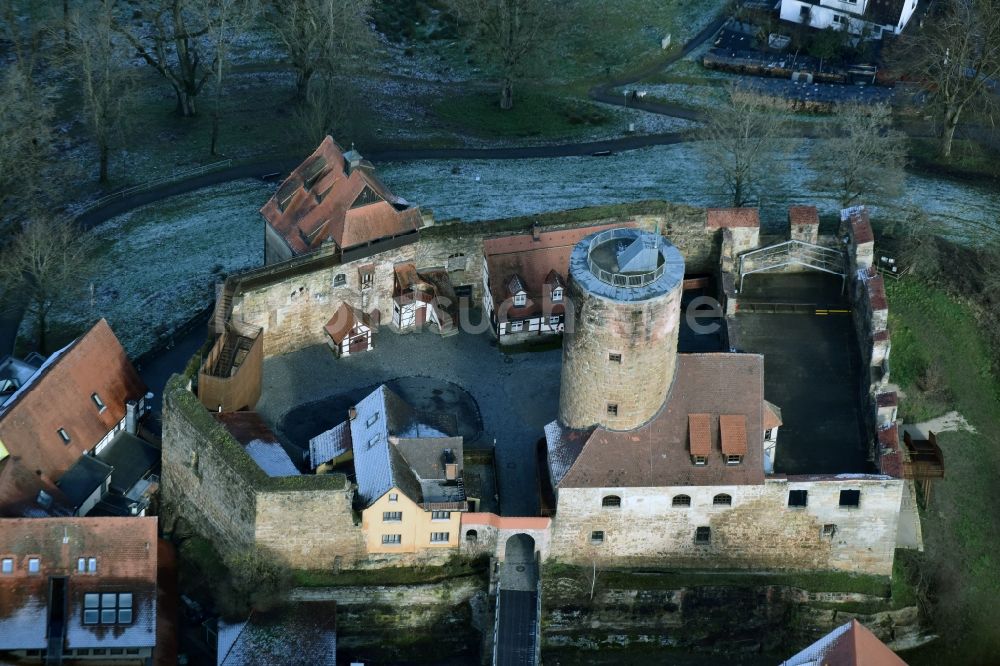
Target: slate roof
850, 644
82, 479
325, 199
129, 458
393, 448
126, 552
260, 443
728, 218
303, 633
656, 454
533, 261
93, 363
331, 444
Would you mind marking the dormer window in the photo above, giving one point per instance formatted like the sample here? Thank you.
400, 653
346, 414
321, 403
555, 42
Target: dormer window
557, 294
63, 435
520, 299
699, 460
734, 460
98, 402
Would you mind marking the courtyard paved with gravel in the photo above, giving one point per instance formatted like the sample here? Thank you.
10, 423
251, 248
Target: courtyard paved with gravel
516, 395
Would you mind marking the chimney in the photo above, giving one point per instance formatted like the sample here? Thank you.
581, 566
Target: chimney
536, 232
131, 417
352, 413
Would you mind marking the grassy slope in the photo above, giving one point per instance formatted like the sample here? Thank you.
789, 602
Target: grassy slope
961, 530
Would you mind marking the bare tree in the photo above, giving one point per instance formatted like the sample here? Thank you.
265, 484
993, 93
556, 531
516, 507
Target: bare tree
27, 141
322, 35
862, 158
46, 260
956, 57
323, 112
227, 19
98, 59
740, 144
170, 38
509, 33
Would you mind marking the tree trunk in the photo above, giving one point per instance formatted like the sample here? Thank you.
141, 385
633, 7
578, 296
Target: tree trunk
186, 107
103, 150
507, 94
214, 148
302, 82
951, 115
738, 194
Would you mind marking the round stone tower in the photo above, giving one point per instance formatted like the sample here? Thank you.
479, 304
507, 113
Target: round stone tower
620, 344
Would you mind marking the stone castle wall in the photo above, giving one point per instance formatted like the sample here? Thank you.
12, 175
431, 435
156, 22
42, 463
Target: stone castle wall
293, 310
758, 531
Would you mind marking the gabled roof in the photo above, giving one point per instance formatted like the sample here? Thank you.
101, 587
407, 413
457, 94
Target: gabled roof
83, 479
330, 445
532, 260
393, 448
327, 199
93, 363
728, 218
343, 321
656, 454
304, 632
700, 434
860, 224
260, 443
126, 552
515, 285
772, 416
850, 644
553, 279
876, 293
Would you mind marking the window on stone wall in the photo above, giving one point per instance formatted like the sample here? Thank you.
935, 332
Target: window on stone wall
612, 409
597, 536
681, 500
798, 498
850, 498
829, 530
722, 499
703, 535
615, 357
339, 280
472, 536
612, 501
456, 262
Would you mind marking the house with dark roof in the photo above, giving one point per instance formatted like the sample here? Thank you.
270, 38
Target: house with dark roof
410, 489
870, 19
850, 644
524, 281
333, 202
78, 588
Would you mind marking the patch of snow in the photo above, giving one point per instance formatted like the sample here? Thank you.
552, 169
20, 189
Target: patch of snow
950, 422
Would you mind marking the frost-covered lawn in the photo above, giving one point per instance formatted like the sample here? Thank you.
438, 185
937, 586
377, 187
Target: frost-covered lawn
156, 266
483, 190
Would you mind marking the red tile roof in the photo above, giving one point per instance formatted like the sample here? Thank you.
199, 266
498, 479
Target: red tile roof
727, 218
656, 454
532, 260
324, 199
126, 554
700, 433
343, 321
19, 488
891, 458
59, 396
860, 647
803, 215
876, 293
772, 415
861, 227
733, 431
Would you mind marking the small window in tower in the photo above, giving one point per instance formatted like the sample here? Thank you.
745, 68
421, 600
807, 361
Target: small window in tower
703, 536
798, 498
597, 536
615, 357
850, 499
612, 409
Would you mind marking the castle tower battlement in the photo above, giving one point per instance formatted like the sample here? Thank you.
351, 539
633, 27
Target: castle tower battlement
619, 351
